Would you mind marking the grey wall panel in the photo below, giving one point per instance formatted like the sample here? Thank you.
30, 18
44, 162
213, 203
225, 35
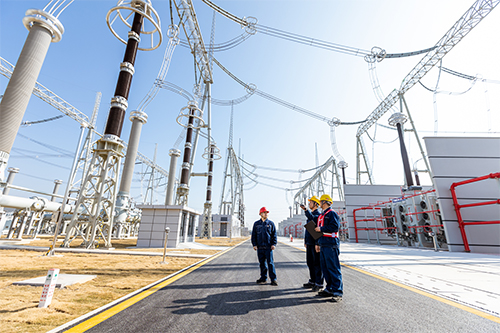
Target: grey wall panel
462, 146
483, 249
489, 188
466, 167
483, 213
455, 159
372, 190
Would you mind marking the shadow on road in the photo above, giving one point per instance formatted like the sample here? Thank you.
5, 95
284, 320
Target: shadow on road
244, 301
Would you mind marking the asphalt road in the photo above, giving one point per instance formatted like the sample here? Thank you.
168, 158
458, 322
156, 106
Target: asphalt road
222, 296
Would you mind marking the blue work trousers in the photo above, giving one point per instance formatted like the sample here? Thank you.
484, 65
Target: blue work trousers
314, 265
330, 265
266, 262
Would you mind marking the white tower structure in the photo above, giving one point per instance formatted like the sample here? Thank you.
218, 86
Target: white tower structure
475, 14
231, 201
97, 198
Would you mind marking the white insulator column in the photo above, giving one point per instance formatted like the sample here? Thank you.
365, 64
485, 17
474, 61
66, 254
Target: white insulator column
43, 29
174, 155
57, 184
10, 179
138, 118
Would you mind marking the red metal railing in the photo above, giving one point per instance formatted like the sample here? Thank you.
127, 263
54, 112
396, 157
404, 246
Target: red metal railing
461, 223
344, 225
381, 204
298, 229
368, 219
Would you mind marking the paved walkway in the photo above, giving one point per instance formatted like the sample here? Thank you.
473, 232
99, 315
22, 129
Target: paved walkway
468, 278
220, 295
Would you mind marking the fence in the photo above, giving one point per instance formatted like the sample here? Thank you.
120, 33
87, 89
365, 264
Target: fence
383, 216
458, 207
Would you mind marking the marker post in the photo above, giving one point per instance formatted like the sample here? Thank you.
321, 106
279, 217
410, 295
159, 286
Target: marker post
48, 288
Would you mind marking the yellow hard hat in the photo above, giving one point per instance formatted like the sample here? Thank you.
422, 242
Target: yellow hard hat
315, 199
326, 197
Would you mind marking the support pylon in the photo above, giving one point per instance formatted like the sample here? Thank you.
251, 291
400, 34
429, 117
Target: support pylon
96, 200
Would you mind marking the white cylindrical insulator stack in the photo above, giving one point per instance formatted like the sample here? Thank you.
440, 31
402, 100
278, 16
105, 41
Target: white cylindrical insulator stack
43, 28
174, 155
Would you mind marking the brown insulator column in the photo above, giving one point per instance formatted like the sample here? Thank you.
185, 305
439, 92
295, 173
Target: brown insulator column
342, 165
417, 178
119, 103
404, 155
210, 175
187, 150
397, 120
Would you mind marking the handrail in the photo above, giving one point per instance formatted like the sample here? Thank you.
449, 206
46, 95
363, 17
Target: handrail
378, 206
461, 223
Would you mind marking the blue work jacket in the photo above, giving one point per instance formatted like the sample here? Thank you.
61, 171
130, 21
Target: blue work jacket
311, 216
331, 224
264, 234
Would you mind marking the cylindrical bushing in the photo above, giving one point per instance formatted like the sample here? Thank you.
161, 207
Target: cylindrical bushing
116, 116
10, 179
57, 184
169, 198
138, 118
210, 175
21, 84
404, 155
187, 150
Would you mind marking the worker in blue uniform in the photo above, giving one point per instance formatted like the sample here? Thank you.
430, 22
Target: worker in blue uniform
264, 240
329, 249
312, 257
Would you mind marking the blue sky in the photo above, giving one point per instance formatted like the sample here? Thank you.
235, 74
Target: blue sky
86, 61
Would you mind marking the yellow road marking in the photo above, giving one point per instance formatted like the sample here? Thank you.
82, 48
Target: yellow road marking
99, 318
437, 298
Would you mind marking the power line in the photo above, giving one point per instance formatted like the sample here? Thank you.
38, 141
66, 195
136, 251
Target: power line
331, 121
27, 123
251, 27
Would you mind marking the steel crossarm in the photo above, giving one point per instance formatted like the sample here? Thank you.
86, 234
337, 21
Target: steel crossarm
6, 69
151, 164
479, 10
314, 178
189, 23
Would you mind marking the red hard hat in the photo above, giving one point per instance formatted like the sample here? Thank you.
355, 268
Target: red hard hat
263, 210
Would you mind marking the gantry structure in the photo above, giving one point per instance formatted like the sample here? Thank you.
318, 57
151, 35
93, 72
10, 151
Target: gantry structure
232, 199
97, 197
470, 19
194, 115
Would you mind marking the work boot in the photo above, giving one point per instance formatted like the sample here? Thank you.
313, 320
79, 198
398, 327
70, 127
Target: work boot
261, 281
325, 293
336, 299
308, 285
316, 288
274, 283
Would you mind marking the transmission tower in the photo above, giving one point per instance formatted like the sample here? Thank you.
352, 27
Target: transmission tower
98, 195
231, 202
189, 23
318, 184
475, 14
